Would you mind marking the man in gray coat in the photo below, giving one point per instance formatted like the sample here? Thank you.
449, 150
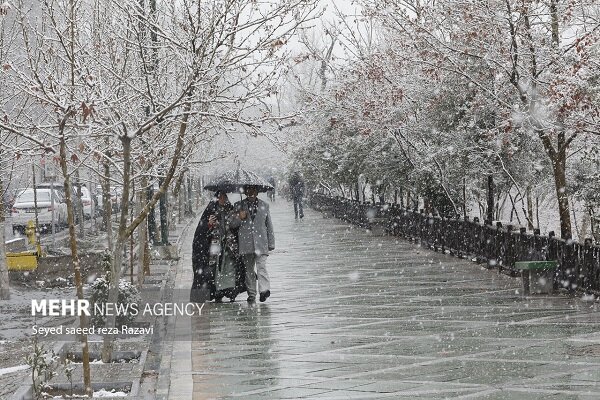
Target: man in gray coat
256, 239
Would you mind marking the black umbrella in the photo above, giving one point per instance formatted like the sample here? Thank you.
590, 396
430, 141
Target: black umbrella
238, 180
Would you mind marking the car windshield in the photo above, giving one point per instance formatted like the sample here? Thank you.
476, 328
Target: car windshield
27, 196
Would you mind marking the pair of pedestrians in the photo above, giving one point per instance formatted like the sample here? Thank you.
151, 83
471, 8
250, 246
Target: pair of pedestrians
230, 249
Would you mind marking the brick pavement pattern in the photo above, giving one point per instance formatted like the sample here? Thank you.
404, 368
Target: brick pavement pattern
358, 316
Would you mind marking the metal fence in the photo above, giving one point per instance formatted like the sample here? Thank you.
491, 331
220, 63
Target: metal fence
498, 246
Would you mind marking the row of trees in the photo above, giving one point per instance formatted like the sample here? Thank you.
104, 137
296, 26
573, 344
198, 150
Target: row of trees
131, 89
434, 99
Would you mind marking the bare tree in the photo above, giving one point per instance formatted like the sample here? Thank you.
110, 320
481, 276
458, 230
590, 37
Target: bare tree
207, 67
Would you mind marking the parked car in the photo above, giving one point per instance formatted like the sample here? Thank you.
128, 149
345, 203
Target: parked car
60, 188
86, 201
49, 203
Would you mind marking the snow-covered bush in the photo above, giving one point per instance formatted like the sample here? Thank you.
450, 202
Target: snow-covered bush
41, 362
128, 296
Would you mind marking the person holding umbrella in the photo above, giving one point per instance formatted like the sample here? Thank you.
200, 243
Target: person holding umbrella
256, 240
218, 270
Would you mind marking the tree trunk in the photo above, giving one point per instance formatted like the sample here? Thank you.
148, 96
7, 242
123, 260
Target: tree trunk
142, 232
80, 211
83, 323
181, 204
584, 227
107, 203
131, 242
529, 209
4, 279
513, 210
179, 192
164, 218
537, 211
558, 158
151, 216
343, 193
560, 183
401, 195
490, 201
125, 231
427, 206
363, 197
464, 190
189, 205
117, 251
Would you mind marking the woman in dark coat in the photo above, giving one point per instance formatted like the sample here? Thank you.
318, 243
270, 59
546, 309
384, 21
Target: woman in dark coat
218, 270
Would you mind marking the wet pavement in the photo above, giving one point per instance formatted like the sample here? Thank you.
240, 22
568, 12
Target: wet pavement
358, 316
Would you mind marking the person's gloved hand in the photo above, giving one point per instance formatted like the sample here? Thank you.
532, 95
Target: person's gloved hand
212, 221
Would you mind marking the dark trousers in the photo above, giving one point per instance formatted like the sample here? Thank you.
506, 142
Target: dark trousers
298, 211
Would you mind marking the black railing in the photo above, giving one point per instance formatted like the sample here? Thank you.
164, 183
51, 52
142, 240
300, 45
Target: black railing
498, 246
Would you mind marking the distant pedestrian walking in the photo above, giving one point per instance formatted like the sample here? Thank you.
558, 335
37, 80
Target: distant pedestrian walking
256, 239
271, 192
297, 191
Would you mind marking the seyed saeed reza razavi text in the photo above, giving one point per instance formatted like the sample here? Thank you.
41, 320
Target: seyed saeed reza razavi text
72, 307
92, 330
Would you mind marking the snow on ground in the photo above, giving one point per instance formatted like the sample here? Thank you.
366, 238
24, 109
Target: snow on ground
17, 321
10, 370
98, 393
12, 375
105, 393
16, 331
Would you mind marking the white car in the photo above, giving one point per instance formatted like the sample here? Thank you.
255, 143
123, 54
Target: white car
86, 201
49, 205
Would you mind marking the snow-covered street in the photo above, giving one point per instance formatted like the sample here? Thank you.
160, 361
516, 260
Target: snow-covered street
282, 199
353, 315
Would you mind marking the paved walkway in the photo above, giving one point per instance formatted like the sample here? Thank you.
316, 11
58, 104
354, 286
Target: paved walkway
355, 316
